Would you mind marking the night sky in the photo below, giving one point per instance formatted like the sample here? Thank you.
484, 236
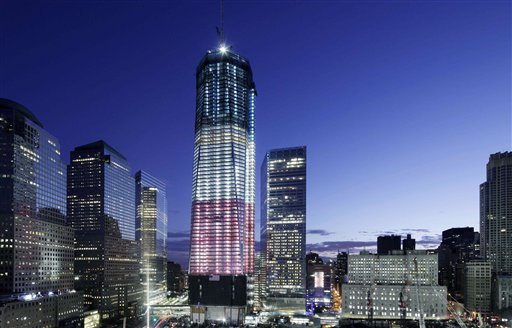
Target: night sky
400, 103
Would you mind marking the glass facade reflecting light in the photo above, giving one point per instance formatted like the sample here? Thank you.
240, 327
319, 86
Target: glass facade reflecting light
283, 228
36, 244
222, 227
101, 209
151, 231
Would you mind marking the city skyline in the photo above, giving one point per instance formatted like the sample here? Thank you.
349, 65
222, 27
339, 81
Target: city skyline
368, 151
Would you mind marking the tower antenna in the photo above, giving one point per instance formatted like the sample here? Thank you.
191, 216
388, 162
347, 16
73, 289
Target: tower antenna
221, 36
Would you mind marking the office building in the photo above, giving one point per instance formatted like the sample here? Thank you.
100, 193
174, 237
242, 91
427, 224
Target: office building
175, 278
151, 233
496, 213
477, 286
388, 244
340, 271
223, 186
458, 246
409, 244
395, 286
101, 209
260, 282
318, 284
502, 292
36, 256
283, 228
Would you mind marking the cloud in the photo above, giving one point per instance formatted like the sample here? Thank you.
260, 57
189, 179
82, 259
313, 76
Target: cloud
334, 246
320, 232
178, 234
416, 230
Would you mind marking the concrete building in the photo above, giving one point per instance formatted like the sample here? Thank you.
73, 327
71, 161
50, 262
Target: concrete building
496, 213
477, 286
502, 292
396, 286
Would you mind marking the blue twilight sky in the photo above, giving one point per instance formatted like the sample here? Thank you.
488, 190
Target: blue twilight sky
399, 102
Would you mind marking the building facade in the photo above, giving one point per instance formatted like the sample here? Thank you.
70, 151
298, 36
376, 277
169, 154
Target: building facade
223, 186
36, 256
502, 292
283, 228
387, 244
496, 213
101, 209
318, 284
175, 278
151, 233
477, 286
458, 246
391, 287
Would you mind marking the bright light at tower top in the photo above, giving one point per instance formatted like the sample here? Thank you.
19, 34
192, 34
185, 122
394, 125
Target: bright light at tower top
223, 48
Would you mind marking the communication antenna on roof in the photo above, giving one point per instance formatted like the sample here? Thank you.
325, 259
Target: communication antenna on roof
222, 21
220, 31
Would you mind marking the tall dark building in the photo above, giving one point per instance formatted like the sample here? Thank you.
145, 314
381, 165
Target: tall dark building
101, 209
459, 245
223, 186
409, 244
283, 228
175, 277
387, 244
496, 213
36, 256
151, 233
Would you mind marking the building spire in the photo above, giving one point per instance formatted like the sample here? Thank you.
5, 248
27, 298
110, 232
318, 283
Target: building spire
221, 36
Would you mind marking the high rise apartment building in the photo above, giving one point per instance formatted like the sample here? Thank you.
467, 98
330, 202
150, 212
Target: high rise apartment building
223, 186
36, 244
496, 213
283, 228
151, 233
101, 209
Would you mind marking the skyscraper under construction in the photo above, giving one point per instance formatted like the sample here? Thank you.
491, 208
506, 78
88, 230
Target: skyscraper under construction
222, 227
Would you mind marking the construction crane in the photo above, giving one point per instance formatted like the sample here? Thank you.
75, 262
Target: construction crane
418, 298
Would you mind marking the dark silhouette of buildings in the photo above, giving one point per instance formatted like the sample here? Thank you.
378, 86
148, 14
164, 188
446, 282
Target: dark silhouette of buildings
101, 209
175, 277
388, 244
458, 246
409, 244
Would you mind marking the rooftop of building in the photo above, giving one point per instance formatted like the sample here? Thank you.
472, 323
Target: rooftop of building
10, 104
100, 144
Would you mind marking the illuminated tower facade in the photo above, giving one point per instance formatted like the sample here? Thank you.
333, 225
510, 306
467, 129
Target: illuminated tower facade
496, 213
36, 244
101, 209
151, 232
283, 228
222, 227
